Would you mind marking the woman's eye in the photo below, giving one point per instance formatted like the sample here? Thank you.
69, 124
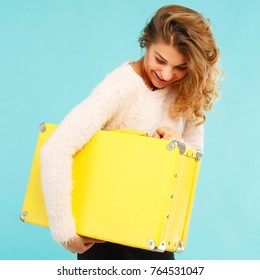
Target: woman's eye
181, 68
159, 60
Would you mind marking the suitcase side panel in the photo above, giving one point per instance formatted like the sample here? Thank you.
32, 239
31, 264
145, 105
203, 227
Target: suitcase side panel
191, 202
170, 217
184, 187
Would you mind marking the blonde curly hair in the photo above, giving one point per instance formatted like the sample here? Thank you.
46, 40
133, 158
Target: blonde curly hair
189, 32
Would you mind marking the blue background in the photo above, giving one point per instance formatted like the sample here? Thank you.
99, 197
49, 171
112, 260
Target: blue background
53, 52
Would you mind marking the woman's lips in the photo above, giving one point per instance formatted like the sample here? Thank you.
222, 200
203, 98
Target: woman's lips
158, 80
162, 80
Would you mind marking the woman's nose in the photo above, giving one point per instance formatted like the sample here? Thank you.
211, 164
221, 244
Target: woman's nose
167, 74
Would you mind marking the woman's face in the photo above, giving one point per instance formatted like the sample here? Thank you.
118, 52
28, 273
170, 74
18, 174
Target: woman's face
164, 64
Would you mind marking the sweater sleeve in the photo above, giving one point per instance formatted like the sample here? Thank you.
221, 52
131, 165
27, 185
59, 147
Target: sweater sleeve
194, 135
56, 156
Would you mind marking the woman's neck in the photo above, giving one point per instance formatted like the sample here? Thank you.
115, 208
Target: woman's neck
138, 67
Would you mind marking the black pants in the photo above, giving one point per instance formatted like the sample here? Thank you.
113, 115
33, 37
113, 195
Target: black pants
111, 251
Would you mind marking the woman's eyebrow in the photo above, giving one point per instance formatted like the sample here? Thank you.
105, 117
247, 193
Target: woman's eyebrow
183, 64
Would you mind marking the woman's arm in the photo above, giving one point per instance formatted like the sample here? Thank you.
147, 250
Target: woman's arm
56, 157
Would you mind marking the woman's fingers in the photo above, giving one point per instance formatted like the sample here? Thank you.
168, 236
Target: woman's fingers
80, 244
167, 133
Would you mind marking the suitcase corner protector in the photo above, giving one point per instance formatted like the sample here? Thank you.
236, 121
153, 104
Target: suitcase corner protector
173, 144
199, 155
42, 127
23, 216
152, 247
180, 248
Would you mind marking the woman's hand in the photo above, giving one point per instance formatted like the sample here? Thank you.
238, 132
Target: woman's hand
80, 244
167, 133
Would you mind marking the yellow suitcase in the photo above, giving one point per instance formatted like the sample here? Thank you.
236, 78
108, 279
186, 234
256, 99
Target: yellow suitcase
128, 189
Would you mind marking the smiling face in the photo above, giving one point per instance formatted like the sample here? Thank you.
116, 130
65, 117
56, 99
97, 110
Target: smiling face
163, 65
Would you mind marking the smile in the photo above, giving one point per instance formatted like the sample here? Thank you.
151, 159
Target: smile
162, 80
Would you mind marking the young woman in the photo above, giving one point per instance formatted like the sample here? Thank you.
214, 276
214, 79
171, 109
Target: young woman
165, 93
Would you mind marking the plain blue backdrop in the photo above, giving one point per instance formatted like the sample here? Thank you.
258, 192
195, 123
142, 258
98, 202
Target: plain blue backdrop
52, 54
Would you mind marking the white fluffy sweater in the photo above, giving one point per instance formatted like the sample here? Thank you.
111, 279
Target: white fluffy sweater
120, 101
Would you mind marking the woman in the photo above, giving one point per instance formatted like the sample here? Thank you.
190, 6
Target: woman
165, 93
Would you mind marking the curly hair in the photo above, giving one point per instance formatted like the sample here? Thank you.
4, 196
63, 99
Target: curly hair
189, 32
